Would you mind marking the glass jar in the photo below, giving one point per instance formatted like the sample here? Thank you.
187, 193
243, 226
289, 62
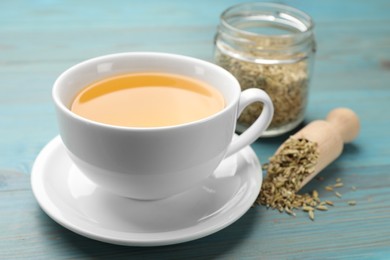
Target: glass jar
271, 47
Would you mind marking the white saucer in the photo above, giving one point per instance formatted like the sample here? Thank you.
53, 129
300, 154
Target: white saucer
76, 203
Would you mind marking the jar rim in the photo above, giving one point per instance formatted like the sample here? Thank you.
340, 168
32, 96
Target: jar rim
301, 20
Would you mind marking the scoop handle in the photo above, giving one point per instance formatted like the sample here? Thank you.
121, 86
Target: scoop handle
345, 122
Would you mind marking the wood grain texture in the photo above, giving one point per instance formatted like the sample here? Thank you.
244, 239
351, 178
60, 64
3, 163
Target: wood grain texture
40, 39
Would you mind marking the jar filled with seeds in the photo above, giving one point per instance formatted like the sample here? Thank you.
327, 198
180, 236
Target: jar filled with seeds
271, 47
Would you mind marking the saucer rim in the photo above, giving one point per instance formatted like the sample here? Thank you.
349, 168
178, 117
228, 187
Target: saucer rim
43, 198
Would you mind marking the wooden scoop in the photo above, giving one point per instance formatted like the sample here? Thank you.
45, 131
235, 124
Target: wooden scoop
341, 126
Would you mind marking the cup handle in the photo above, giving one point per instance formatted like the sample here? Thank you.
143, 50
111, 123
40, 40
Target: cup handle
250, 135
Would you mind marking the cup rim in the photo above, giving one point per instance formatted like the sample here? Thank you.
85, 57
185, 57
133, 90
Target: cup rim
60, 105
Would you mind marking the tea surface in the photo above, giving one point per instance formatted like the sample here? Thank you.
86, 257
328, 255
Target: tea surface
147, 100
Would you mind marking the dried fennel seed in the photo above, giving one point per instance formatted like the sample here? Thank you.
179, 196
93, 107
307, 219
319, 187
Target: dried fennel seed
285, 172
286, 84
321, 207
311, 214
329, 188
330, 203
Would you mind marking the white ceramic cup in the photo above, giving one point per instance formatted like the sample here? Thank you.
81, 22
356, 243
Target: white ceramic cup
157, 162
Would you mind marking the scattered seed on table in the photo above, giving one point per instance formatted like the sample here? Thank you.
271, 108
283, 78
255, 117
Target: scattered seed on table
289, 211
307, 208
337, 194
328, 188
315, 195
311, 214
330, 203
321, 207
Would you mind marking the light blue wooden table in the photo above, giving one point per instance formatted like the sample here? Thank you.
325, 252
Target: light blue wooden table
40, 39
